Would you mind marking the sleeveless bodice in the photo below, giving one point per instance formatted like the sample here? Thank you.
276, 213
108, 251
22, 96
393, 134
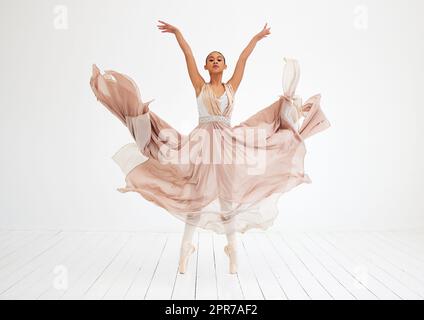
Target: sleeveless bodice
203, 110
225, 103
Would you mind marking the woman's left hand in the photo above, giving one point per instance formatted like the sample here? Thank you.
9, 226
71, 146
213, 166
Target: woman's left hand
265, 31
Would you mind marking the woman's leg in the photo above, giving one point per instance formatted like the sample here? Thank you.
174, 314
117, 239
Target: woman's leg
229, 225
187, 247
188, 233
229, 222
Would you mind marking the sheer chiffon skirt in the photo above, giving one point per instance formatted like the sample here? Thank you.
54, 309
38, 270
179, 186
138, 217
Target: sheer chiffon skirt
218, 177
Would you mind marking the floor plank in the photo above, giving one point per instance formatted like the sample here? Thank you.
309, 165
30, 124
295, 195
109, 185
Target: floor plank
68, 275
278, 264
308, 282
364, 272
268, 281
393, 278
331, 284
142, 280
206, 285
336, 268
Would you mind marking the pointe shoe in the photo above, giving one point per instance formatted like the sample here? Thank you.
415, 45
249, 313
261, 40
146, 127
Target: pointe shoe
232, 254
186, 250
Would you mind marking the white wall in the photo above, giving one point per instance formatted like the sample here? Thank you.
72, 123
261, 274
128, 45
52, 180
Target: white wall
364, 57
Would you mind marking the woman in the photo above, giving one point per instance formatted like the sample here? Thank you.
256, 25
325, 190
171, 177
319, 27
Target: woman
219, 177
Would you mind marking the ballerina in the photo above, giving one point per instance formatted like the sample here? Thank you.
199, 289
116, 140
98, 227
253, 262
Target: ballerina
206, 178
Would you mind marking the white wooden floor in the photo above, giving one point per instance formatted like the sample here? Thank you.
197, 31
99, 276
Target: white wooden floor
272, 265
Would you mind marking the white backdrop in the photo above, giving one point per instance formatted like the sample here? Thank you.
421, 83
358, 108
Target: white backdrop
364, 57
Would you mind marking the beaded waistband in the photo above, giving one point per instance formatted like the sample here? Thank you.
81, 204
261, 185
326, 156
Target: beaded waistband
215, 118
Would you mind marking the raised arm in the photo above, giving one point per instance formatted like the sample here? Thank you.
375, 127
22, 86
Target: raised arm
241, 63
195, 77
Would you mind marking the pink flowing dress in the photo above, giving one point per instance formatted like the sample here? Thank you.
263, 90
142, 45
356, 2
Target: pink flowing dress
218, 177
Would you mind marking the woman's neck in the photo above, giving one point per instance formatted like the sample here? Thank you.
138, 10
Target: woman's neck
216, 80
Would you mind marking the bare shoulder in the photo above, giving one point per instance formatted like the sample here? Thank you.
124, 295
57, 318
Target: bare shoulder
198, 87
233, 87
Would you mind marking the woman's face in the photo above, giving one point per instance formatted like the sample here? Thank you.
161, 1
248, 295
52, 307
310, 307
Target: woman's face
215, 63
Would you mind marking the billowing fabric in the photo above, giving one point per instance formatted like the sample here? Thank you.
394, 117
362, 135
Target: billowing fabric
218, 177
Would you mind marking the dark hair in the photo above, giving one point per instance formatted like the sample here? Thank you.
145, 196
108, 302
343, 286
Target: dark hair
206, 61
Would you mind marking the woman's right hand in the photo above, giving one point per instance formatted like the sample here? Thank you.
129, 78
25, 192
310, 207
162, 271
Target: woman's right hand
166, 27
